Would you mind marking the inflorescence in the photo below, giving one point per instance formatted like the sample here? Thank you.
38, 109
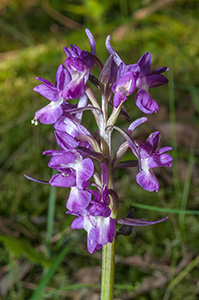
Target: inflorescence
84, 160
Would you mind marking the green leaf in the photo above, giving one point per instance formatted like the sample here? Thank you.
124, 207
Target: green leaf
166, 210
21, 247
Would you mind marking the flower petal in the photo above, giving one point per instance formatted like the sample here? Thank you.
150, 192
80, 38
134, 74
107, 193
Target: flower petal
119, 97
145, 102
78, 223
106, 231
84, 171
65, 141
148, 181
78, 200
62, 78
74, 89
49, 92
145, 64
82, 103
62, 161
162, 160
87, 59
46, 82
66, 179
164, 149
159, 70
156, 80
105, 175
49, 113
151, 144
92, 240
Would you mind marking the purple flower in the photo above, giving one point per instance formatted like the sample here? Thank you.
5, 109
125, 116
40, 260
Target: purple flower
95, 218
127, 76
100, 204
100, 230
146, 81
125, 83
51, 112
151, 158
147, 154
79, 63
74, 170
70, 126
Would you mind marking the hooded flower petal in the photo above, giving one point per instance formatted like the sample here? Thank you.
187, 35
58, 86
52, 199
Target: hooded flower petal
145, 62
62, 78
75, 88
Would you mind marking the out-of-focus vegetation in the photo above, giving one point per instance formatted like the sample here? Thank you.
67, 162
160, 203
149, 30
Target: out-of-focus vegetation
40, 256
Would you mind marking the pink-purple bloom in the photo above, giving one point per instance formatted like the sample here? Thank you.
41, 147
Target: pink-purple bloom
125, 83
96, 219
137, 76
83, 161
50, 113
147, 80
79, 63
100, 230
151, 158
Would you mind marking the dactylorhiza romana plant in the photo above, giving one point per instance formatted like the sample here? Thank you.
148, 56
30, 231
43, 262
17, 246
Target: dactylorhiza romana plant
84, 160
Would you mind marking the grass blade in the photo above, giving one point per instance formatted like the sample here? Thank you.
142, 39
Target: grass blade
38, 294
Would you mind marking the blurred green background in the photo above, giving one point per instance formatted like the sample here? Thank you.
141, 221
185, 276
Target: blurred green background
40, 256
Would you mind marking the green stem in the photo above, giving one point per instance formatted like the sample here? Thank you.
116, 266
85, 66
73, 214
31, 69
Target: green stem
108, 267
108, 250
